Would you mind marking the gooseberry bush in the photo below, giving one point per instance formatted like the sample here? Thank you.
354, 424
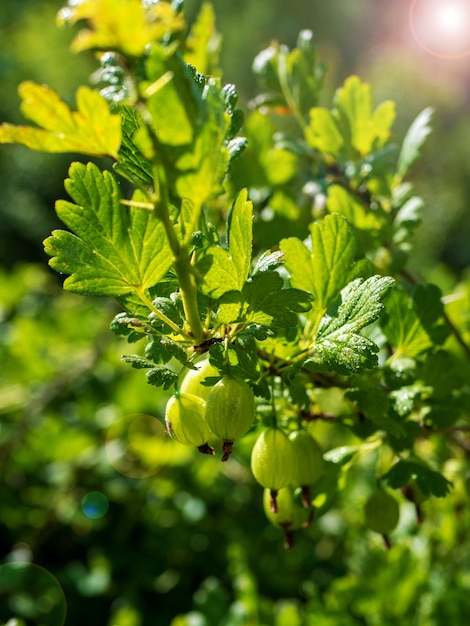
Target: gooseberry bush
259, 258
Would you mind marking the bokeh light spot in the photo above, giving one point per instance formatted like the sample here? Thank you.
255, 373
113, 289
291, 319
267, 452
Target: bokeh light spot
441, 27
31, 593
95, 505
137, 446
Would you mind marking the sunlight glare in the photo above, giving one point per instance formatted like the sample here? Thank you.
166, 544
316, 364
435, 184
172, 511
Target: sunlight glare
442, 27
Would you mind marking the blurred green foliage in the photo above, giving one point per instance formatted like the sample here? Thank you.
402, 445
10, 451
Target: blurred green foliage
132, 532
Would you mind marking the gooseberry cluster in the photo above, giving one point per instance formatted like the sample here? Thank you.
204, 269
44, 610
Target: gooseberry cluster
285, 464
196, 412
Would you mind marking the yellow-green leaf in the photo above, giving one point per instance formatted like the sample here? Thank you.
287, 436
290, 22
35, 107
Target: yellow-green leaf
92, 129
203, 43
323, 133
124, 25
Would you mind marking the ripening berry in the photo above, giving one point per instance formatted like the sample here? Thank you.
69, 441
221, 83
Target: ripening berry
230, 411
192, 382
290, 515
382, 512
309, 462
185, 422
273, 462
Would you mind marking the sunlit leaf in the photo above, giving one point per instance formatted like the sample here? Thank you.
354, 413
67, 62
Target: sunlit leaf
124, 25
91, 130
112, 250
414, 141
226, 270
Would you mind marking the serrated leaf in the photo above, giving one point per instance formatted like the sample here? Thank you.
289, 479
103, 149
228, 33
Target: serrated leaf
366, 130
113, 250
137, 362
161, 377
428, 481
414, 141
347, 352
361, 304
411, 322
325, 269
131, 162
271, 305
226, 270
175, 105
237, 360
91, 130
338, 343
125, 25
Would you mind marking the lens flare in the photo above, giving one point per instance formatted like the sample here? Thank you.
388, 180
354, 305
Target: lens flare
137, 446
29, 592
441, 27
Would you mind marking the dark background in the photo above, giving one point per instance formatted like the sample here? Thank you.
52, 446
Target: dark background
187, 539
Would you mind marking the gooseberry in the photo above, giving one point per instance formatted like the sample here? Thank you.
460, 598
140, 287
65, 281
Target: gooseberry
309, 462
230, 411
185, 422
273, 462
382, 512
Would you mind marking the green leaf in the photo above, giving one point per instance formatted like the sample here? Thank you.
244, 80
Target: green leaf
163, 349
203, 43
137, 362
361, 303
114, 250
271, 305
325, 270
428, 481
161, 377
414, 141
91, 130
131, 162
203, 169
374, 403
239, 235
263, 163
411, 322
175, 104
365, 129
323, 133
239, 359
368, 223
223, 269
338, 343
